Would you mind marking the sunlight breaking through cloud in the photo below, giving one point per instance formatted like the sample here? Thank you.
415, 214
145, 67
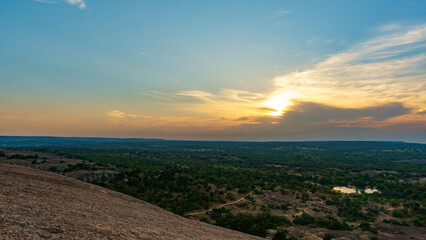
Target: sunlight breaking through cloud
390, 67
387, 68
280, 102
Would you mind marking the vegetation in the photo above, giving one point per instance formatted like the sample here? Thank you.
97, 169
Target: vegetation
186, 176
252, 224
329, 222
328, 236
21, 156
282, 235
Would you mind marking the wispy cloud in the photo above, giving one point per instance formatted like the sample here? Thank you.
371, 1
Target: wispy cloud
390, 67
225, 95
80, 3
46, 1
116, 114
119, 116
280, 12
313, 40
160, 95
375, 88
228, 103
389, 27
278, 17
205, 96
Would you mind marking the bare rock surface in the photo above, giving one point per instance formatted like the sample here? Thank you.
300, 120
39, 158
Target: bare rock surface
41, 205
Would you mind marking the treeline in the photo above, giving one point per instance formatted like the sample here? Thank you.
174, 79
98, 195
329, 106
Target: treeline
22, 156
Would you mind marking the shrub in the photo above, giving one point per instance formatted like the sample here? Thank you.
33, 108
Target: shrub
328, 236
304, 219
396, 222
282, 235
332, 224
365, 226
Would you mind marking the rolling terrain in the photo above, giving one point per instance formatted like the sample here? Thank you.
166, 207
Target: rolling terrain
36, 204
306, 190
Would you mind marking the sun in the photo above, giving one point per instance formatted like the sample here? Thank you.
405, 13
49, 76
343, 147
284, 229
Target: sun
279, 102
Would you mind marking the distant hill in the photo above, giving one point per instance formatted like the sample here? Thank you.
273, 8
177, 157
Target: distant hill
34, 141
18, 141
39, 205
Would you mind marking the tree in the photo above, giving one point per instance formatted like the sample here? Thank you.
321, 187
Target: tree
304, 219
328, 236
282, 235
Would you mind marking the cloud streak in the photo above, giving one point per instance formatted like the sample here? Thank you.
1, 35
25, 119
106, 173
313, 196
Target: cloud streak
227, 103
80, 3
281, 12
45, 1
374, 90
387, 68
375, 87
119, 116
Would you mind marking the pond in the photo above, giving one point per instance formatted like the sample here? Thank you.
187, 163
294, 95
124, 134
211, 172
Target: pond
350, 190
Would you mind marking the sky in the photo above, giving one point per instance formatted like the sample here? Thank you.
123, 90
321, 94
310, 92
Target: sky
214, 70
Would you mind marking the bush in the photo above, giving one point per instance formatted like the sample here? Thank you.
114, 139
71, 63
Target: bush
419, 222
399, 213
332, 224
329, 222
282, 235
243, 205
365, 226
251, 224
53, 169
230, 196
328, 236
304, 219
396, 222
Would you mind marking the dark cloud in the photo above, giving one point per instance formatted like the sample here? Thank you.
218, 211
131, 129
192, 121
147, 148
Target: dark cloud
318, 112
243, 119
304, 121
313, 121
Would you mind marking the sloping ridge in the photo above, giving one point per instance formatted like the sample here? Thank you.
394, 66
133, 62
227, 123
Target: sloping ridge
41, 205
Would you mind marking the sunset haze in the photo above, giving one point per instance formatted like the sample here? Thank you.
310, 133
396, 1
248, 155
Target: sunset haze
214, 70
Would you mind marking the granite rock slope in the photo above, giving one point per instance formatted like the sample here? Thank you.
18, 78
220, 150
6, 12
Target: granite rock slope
41, 205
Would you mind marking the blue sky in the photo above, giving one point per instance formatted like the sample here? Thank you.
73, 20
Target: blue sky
124, 55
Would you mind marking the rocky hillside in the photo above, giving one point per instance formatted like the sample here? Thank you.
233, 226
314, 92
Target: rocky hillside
41, 205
